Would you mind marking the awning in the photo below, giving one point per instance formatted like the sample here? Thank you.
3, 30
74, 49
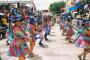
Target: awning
73, 8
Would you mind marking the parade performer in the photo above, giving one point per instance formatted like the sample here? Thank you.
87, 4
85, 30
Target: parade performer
49, 24
40, 33
9, 33
69, 30
63, 27
83, 39
32, 31
18, 47
45, 27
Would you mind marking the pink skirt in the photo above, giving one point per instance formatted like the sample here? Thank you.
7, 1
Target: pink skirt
18, 48
82, 42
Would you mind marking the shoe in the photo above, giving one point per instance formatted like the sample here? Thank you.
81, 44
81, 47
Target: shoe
28, 56
41, 44
46, 39
79, 57
63, 34
70, 41
32, 55
66, 39
7, 43
84, 59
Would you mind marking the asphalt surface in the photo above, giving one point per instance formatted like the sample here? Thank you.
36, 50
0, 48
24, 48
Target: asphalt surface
55, 49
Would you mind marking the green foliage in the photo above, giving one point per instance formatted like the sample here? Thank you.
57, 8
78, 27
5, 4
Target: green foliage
86, 1
55, 7
62, 4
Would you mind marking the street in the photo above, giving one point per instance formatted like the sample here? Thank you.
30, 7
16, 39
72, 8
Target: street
56, 48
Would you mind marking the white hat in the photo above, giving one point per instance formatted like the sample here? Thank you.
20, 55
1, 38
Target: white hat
78, 16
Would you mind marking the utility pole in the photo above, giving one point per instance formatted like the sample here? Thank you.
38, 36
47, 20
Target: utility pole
34, 7
33, 4
20, 1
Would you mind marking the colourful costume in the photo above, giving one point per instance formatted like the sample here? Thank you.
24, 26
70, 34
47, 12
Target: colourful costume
63, 27
82, 40
69, 31
18, 47
32, 31
40, 32
10, 35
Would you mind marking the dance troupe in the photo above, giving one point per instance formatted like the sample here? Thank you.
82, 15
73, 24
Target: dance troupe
23, 28
82, 39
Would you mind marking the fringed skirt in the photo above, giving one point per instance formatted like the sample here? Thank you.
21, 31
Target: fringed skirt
18, 47
69, 32
82, 41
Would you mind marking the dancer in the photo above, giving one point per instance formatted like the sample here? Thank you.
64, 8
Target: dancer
18, 47
83, 40
69, 30
40, 32
32, 31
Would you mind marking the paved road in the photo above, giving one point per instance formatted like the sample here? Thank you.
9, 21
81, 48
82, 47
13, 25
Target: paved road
56, 49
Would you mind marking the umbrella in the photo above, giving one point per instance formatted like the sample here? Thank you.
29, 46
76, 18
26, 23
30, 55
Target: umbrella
73, 8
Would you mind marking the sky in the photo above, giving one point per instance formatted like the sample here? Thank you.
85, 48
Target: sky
43, 4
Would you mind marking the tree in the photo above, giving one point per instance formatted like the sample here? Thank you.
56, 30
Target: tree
86, 1
56, 7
